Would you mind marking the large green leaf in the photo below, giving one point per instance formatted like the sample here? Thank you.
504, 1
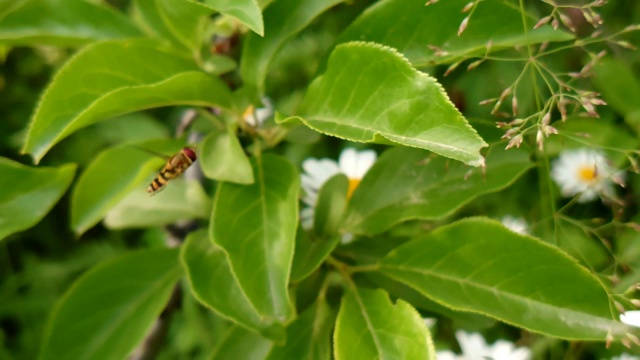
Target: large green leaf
409, 185
180, 200
411, 27
222, 158
213, 284
107, 312
100, 187
371, 93
71, 23
282, 20
246, 11
179, 21
255, 225
479, 265
27, 194
310, 253
370, 326
112, 78
309, 337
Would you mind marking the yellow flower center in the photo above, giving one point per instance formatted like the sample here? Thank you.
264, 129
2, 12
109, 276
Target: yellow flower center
353, 184
588, 174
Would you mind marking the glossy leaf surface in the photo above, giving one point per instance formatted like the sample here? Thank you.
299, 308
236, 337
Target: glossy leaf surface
180, 200
478, 265
246, 11
371, 93
255, 225
222, 158
408, 184
27, 194
108, 311
240, 343
179, 21
370, 326
214, 285
112, 78
36, 22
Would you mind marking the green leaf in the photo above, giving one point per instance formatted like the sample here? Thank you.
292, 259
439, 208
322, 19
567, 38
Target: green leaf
241, 344
255, 225
246, 11
371, 93
369, 326
479, 265
179, 21
73, 23
407, 184
222, 158
283, 19
100, 188
309, 337
108, 311
332, 202
116, 77
310, 253
411, 27
620, 87
214, 285
27, 194
180, 200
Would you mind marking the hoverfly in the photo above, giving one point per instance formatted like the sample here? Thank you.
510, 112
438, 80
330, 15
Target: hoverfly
176, 165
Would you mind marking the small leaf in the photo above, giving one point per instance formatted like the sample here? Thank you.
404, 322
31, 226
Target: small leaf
107, 312
214, 285
246, 11
180, 21
180, 200
100, 187
116, 77
415, 27
369, 326
371, 93
222, 158
255, 225
242, 344
332, 202
478, 265
283, 19
310, 253
309, 336
406, 184
35, 22
27, 194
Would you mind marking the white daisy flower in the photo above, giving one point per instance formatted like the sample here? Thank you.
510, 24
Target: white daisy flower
515, 224
584, 172
354, 164
631, 318
474, 347
257, 117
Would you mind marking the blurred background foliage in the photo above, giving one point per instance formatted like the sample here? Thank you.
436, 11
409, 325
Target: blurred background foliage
37, 265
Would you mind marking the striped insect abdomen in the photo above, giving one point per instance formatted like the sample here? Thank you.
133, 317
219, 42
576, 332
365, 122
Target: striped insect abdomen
176, 165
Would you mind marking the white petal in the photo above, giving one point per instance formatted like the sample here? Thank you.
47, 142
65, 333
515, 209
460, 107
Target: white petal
472, 344
631, 318
365, 161
348, 162
306, 218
